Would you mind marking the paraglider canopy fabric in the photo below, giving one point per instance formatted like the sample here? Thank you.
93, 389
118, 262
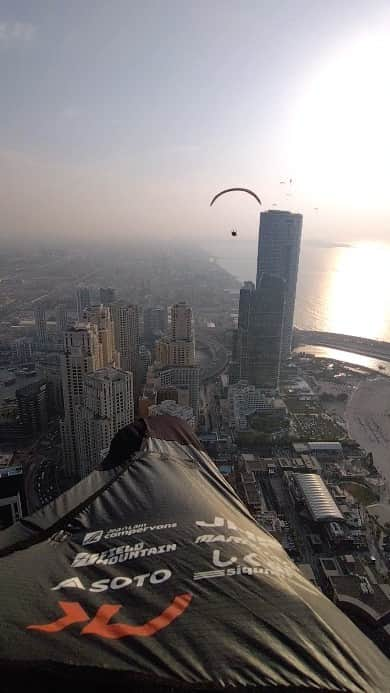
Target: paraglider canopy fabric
152, 575
228, 190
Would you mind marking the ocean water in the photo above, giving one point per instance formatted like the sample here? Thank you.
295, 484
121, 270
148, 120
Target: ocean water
344, 289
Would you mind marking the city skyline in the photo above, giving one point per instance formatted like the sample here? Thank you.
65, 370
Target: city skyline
278, 431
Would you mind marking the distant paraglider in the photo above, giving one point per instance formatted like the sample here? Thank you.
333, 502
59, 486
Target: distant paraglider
234, 231
228, 190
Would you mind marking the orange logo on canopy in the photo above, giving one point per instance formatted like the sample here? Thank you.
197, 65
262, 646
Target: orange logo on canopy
100, 623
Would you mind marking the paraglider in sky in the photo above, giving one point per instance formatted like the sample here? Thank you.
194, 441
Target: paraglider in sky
228, 190
234, 232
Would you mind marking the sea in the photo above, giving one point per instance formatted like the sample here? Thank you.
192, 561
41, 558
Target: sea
343, 288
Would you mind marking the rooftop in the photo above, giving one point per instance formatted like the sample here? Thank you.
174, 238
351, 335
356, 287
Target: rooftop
360, 592
320, 503
320, 445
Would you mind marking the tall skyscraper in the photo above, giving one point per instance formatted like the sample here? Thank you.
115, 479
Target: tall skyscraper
32, 407
101, 317
162, 351
108, 405
13, 503
40, 325
182, 353
264, 335
182, 342
49, 369
155, 323
181, 322
278, 254
82, 355
247, 293
107, 296
126, 331
83, 301
61, 318
22, 350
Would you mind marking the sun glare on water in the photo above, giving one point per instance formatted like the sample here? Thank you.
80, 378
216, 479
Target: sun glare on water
358, 291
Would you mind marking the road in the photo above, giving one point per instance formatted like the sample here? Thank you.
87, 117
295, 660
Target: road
45, 481
32, 497
210, 408
218, 358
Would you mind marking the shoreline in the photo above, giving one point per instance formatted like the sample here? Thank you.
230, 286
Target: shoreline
367, 415
366, 412
369, 364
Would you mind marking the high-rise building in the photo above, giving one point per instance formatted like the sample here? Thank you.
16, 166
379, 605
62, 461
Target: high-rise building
182, 353
108, 405
261, 366
127, 338
162, 351
49, 369
174, 353
13, 504
182, 339
33, 408
155, 323
22, 350
100, 316
278, 254
186, 376
82, 355
83, 301
40, 325
61, 318
247, 293
107, 296
181, 322
145, 360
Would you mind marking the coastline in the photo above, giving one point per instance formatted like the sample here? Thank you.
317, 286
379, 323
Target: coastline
367, 415
366, 412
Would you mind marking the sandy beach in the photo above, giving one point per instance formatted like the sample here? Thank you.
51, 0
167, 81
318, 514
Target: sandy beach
368, 418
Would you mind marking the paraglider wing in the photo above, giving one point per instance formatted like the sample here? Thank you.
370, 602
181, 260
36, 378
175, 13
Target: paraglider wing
228, 190
151, 575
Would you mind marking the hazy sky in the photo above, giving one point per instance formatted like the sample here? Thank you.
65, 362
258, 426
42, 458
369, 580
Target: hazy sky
125, 117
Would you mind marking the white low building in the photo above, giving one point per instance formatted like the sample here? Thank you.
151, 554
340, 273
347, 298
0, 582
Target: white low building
245, 400
170, 408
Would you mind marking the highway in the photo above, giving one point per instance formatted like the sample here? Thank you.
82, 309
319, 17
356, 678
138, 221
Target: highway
218, 358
